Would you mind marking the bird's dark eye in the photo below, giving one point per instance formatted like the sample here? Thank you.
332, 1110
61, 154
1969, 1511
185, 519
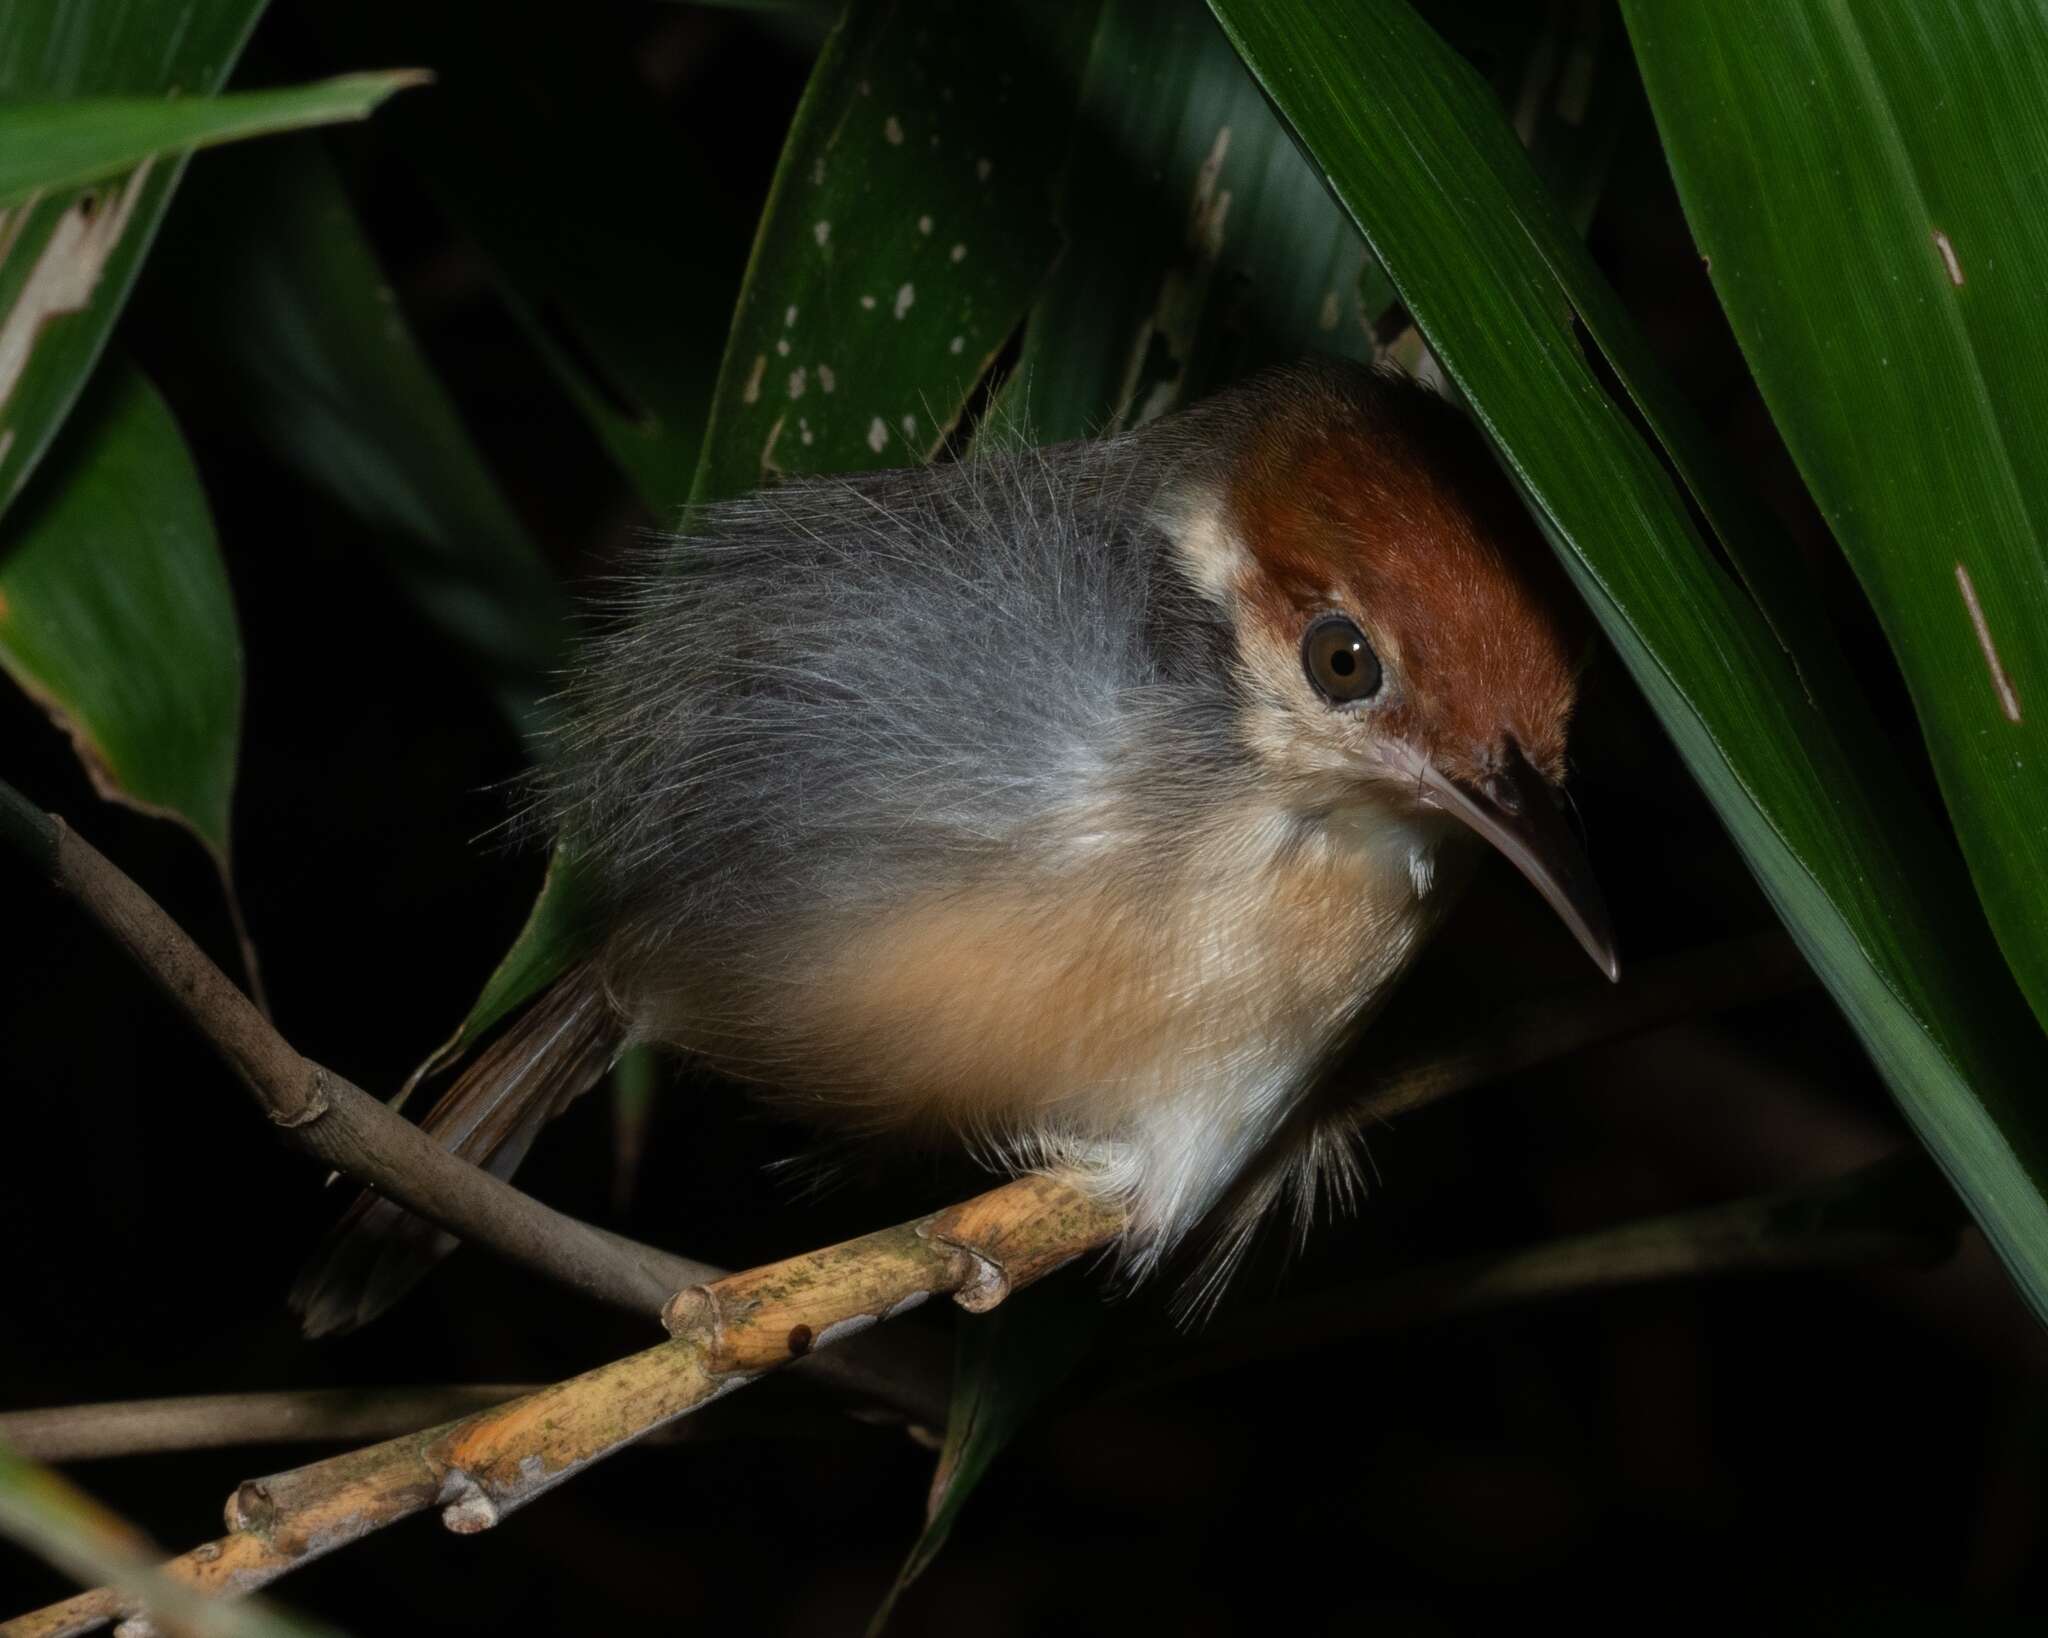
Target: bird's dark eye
1339, 661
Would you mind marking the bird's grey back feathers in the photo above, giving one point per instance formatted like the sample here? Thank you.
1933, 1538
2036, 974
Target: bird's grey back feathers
834, 693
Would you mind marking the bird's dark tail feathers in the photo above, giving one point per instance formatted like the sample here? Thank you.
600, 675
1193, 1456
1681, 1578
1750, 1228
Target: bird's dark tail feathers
547, 1058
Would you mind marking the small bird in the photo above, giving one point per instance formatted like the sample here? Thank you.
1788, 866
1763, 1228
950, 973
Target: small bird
1075, 805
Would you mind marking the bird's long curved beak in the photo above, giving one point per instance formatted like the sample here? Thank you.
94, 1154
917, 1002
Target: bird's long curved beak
1515, 811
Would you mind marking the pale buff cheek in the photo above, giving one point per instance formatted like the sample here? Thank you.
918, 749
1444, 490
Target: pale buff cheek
1290, 729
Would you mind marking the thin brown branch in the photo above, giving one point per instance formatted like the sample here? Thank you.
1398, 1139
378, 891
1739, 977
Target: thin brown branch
725, 1334
1710, 979
340, 1416
218, 1421
1898, 1212
328, 1117
338, 1122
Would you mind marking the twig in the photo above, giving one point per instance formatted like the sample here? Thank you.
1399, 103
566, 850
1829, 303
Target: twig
217, 1421
726, 1333
1898, 1211
327, 1116
340, 1416
1710, 979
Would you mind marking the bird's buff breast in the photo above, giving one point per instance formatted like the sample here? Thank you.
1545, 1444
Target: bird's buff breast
1094, 994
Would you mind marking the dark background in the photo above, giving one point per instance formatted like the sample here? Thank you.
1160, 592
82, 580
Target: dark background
1802, 1452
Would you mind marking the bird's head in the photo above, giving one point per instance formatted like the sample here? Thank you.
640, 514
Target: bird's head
1408, 642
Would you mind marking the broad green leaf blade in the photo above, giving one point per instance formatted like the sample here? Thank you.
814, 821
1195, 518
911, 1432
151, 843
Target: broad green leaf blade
1199, 242
1863, 180
67, 261
1424, 160
1007, 1365
271, 288
908, 229
624, 289
50, 146
46, 1513
115, 612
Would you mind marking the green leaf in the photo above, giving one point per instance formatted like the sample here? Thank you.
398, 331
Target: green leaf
1008, 1363
1199, 242
273, 292
50, 1516
624, 289
1862, 179
66, 262
45, 146
1420, 154
554, 937
908, 228
115, 612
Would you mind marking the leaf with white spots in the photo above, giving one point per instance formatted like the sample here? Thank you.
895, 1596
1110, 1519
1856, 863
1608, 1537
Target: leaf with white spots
908, 230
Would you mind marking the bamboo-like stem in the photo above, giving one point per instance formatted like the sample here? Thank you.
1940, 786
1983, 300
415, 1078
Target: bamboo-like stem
724, 1334
327, 1116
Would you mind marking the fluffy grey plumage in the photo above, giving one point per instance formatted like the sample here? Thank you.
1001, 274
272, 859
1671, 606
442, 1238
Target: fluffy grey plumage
838, 695
994, 798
